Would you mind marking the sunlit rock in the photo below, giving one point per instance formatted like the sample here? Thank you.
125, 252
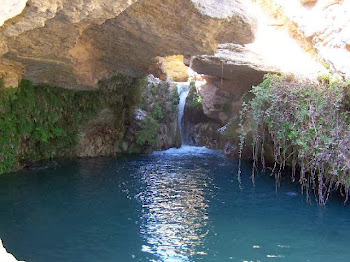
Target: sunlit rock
234, 67
175, 68
10, 8
321, 27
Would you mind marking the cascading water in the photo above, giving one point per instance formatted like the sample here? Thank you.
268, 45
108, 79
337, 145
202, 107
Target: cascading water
183, 89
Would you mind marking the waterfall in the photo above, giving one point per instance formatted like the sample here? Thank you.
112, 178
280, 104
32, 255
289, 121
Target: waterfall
183, 89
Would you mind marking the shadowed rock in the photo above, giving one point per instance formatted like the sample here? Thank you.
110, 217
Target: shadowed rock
76, 43
230, 73
233, 67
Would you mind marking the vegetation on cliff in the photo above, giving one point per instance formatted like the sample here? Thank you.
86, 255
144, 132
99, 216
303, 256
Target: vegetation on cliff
159, 101
306, 125
194, 100
41, 122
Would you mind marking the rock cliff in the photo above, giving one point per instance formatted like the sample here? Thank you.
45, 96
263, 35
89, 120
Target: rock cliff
321, 27
76, 43
285, 43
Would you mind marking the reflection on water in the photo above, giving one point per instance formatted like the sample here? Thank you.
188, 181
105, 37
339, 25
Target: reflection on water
174, 219
179, 205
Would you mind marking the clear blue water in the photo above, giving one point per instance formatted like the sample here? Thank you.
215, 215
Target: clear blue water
172, 206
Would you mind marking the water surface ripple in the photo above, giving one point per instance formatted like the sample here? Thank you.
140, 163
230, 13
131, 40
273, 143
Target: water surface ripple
176, 205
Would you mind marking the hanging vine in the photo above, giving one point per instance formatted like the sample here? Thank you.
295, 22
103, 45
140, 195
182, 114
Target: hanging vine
307, 124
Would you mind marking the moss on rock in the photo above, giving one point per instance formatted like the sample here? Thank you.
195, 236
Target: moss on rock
41, 122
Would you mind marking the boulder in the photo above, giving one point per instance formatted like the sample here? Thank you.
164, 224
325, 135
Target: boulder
228, 75
233, 67
97, 137
216, 101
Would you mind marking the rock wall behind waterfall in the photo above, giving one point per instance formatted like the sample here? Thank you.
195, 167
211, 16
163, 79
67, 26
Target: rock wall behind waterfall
154, 124
198, 128
306, 38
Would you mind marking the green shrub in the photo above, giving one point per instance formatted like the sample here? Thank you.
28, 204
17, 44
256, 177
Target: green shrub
143, 82
194, 100
307, 123
175, 96
157, 112
40, 122
153, 89
148, 132
226, 106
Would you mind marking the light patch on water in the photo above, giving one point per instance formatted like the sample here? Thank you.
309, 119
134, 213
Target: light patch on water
174, 212
283, 246
274, 256
292, 193
188, 150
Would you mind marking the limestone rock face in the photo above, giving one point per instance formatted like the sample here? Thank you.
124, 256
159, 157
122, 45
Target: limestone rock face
321, 26
235, 68
150, 125
98, 136
176, 69
229, 74
214, 101
206, 134
226, 77
154, 124
75, 43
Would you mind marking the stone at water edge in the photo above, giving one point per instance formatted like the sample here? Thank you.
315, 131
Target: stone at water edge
5, 256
